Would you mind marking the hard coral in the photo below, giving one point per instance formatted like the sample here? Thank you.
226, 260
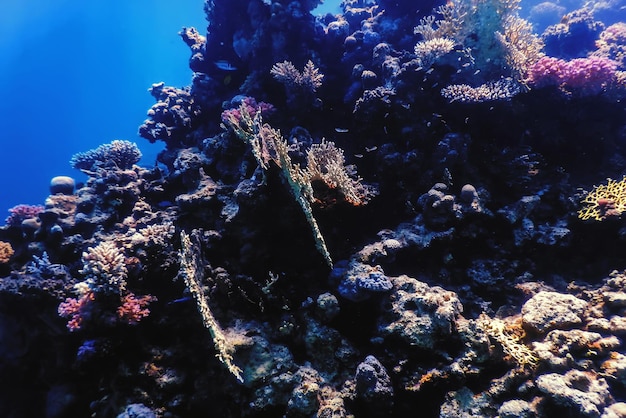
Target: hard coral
583, 76
20, 213
6, 252
605, 201
122, 154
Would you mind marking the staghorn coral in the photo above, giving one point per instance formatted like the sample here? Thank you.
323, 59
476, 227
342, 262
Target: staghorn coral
78, 309
522, 47
309, 79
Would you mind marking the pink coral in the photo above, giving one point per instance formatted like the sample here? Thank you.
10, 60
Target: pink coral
133, 309
77, 309
585, 76
19, 213
251, 106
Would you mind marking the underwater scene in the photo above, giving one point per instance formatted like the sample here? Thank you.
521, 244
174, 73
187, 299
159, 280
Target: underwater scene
366, 208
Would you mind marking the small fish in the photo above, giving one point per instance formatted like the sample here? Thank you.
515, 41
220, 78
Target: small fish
371, 149
183, 299
358, 155
341, 130
225, 65
476, 72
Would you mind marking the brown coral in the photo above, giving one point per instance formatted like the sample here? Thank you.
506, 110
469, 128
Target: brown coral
6, 252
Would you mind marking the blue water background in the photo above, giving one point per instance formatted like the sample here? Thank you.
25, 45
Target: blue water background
74, 75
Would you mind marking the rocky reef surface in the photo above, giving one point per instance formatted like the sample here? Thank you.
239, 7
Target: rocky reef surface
381, 213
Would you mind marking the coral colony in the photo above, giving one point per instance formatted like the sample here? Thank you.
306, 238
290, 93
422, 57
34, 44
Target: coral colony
393, 211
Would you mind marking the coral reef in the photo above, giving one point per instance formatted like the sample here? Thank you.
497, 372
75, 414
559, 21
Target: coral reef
252, 272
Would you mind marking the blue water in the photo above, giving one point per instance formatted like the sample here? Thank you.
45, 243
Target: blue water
74, 75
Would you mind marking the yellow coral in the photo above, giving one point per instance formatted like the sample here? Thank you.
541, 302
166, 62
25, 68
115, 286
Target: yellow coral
509, 336
604, 201
6, 252
192, 271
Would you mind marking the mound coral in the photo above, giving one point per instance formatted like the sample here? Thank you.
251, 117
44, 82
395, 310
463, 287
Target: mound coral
6, 252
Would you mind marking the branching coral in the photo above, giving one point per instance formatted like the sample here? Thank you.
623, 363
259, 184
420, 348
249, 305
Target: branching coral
20, 213
490, 33
104, 268
509, 337
309, 79
428, 51
522, 47
326, 162
604, 201
119, 152
269, 145
104, 287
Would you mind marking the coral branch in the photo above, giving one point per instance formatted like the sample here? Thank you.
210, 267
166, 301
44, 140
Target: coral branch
191, 272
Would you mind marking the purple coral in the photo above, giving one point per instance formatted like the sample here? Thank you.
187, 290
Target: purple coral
585, 76
252, 106
20, 213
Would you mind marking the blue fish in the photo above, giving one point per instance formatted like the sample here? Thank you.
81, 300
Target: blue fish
225, 65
